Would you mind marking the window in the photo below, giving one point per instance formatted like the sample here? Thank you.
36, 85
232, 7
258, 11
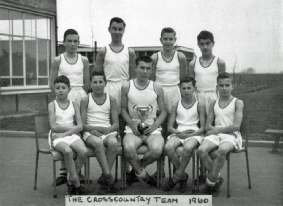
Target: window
25, 49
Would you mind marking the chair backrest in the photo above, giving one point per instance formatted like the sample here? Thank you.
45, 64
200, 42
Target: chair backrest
245, 130
41, 128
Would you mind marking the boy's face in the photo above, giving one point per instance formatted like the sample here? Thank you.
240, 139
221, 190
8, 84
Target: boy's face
144, 70
205, 46
168, 40
98, 84
71, 42
61, 90
187, 89
116, 30
225, 87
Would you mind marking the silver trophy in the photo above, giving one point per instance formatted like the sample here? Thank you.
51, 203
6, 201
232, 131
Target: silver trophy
143, 112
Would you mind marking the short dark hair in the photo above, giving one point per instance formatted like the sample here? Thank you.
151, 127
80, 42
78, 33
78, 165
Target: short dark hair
224, 75
187, 79
98, 73
62, 79
205, 35
143, 58
117, 20
168, 30
70, 32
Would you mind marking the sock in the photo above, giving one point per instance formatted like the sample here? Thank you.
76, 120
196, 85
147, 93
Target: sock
178, 176
63, 172
142, 174
218, 178
209, 182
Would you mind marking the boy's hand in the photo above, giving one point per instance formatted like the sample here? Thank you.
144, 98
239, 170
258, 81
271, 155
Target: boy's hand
188, 131
212, 131
96, 133
134, 127
150, 129
105, 131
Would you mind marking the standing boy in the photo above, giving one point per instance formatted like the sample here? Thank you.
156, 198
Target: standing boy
76, 68
98, 110
222, 132
66, 123
205, 70
188, 114
136, 93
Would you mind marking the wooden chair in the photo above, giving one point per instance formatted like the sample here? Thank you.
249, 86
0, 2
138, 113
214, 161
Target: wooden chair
244, 130
41, 130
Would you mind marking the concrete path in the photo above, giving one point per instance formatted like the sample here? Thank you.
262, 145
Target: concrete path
17, 159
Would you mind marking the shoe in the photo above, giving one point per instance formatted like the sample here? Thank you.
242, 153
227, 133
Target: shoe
131, 177
169, 185
108, 179
101, 180
183, 184
103, 189
155, 175
61, 180
150, 180
113, 189
80, 190
201, 180
208, 189
216, 188
71, 189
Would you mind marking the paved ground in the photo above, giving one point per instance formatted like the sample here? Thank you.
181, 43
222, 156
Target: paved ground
17, 159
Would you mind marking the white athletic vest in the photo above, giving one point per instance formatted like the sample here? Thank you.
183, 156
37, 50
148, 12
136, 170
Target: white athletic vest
187, 118
116, 65
206, 76
66, 116
75, 72
98, 114
168, 73
142, 97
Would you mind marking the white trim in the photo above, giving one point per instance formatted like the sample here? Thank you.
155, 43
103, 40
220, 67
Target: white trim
26, 90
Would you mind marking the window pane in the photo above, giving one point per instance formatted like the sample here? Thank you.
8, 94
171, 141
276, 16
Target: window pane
4, 21
17, 56
42, 81
41, 28
30, 45
4, 82
17, 82
43, 51
17, 22
30, 25
4, 56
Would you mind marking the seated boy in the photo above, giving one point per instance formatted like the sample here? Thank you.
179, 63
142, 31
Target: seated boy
98, 111
66, 123
140, 98
187, 113
222, 132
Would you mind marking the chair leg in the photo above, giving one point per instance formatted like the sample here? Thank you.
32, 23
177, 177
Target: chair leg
54, 179
169, 167
36, 169
193, 172
116, 169
248, 169
87, 173
123, 172
228, 175
198, 162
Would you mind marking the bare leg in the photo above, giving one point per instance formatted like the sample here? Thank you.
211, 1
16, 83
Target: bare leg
170, 150
79, 147
203, 152
111, 143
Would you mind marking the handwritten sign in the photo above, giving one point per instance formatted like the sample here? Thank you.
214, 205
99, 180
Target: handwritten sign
139, 200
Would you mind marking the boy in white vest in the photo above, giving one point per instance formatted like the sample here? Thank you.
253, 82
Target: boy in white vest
66, 124
100, 120
205, 70
140, 99
189, 115
76, 68
222, 132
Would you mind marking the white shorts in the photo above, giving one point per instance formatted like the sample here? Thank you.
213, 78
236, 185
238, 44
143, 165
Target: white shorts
171, 95
102, 137
76, 94
68, 140
114, 89
206, 97
220, 138
198, 138
128, 130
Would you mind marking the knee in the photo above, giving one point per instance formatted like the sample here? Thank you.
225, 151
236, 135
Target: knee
168, 149
98, 145
68, 152
156, 152
201, 152
221, 153
83, 153
187, 151
129, 151
113, 143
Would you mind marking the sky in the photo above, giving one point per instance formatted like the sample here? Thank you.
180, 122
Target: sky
248, 33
